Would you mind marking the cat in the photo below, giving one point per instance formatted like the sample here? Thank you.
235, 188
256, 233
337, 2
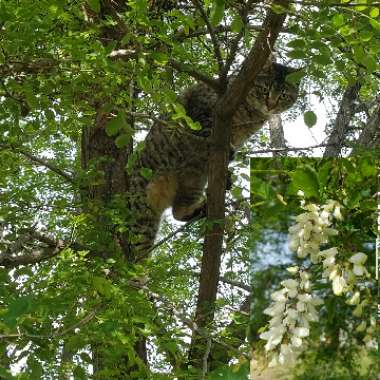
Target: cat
171, 169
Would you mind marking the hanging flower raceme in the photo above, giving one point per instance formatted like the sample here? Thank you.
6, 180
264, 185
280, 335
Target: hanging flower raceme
292, 309
294, 306
312, 230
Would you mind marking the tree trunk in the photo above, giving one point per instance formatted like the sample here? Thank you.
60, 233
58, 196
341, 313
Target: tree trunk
370, 136
277, 137
342, 121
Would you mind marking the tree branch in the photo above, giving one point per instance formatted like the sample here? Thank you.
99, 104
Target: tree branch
11, 257
225, 108
342, 121
277, 138
46, 164
37, 66
370, 136
59, 333
235, 43
213, 83
180, 36
214, 38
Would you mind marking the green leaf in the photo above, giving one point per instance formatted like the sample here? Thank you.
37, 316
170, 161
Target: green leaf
310, 118
123, 140
374, 12
366, 35
368, 168
322, 59
297, 44
116, 124
278, 9
359, 54
370, 63
79, 373
146, 173
217, 12
102, 285
297, 54
94, 5
235, 372
338, 20
237, 24
16, 309
305, 178
296, 76
375, 24
160, 58
347, 30
261, 188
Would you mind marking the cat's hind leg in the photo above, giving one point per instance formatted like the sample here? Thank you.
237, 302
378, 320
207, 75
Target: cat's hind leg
189, 200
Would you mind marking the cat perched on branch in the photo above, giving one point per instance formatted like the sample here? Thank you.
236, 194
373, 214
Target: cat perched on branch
177, 157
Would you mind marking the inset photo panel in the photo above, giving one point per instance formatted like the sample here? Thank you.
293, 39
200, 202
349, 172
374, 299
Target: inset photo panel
314, 268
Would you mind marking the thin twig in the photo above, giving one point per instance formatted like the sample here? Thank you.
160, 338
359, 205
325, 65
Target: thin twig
57, 334
213, 83
235, 42
180, 36
274, 150
214, 38
324, 5
45, 163
175, 232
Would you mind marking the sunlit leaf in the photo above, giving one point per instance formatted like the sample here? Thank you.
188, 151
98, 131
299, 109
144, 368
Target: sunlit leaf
310, 118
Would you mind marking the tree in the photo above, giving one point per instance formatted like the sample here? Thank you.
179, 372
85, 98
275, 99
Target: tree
79, 81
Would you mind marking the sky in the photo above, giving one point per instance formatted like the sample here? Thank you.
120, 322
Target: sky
297, 134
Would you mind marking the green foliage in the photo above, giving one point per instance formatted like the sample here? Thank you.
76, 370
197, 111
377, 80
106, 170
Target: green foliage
236, 372
58, 76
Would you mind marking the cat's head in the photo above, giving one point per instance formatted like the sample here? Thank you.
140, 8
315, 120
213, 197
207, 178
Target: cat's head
272, 93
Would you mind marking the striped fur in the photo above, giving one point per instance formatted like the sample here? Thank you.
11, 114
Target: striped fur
178, 157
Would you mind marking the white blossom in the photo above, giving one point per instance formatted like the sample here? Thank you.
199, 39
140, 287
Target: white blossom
339, 284
354, 300
358, 260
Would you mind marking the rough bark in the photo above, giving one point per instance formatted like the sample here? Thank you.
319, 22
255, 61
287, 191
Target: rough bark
339, 131
217, 175
277, 137
370, 136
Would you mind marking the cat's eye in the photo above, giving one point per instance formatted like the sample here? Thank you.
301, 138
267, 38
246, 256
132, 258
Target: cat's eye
284, 97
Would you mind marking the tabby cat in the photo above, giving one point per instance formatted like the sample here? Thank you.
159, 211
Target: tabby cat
178, 157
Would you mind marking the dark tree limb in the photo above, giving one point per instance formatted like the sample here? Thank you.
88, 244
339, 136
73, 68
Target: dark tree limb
181, 36
342, 121
47, 164
25, 251
277, 137
225, 108
37, 66
370, 136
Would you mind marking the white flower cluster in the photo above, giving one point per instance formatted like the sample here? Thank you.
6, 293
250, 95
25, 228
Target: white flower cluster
294, 306
343, 276
313, 229
292, 310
